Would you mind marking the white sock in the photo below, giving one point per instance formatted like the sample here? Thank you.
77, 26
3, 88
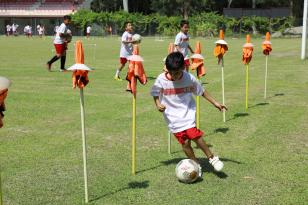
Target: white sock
117, 72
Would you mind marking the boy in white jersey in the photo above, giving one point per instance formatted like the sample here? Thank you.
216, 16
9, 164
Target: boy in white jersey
126, 48
60, 44
8, 30
173, 96
88, 31
182, 42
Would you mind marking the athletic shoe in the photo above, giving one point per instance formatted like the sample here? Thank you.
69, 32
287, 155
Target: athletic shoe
48, 66
117, 78
62, 70
216, 163
200, 170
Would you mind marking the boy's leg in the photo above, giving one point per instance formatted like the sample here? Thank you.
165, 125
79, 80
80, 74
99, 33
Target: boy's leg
203, 146
63, 59
52, 60
189, 151
117, 74
213, 160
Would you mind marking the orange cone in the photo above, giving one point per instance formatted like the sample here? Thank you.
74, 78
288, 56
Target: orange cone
135, 71
197, 61
221, 47
247, 51
80, 74
4, 85
266, 45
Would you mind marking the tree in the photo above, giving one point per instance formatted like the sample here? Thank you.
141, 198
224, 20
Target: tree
125, 5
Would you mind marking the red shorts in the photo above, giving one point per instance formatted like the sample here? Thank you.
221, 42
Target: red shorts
191, 133
186, 63
123, 60
60, 48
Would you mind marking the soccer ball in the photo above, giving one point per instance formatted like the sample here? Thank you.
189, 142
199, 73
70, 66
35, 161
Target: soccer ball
68, 39
137, 38
187, 171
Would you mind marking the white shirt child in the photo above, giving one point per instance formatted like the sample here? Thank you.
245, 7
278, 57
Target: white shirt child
126, 49
89, 29
177, 96
8, 28
182, 40
62, 29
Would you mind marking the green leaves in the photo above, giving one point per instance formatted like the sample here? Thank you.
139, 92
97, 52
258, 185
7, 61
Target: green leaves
201, 24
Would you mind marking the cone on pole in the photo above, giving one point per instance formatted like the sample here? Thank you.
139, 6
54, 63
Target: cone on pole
219, 51
246, 58
267, 48
80, 80
197, 61
171, 48
135, 71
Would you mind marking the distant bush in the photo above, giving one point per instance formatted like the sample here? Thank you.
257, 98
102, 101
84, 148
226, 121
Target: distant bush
203, 24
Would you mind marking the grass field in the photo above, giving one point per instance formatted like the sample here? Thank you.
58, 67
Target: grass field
264, 149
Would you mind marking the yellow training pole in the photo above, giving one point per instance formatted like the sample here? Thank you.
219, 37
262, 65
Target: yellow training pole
247, 78
1, 199
266, 58
134, 137
84, 146
223, 89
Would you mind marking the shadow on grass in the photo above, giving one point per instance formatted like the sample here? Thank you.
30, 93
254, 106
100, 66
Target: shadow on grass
238, 115
130, 185
259, 104
205, 83
276, 95
206, 167
223, 130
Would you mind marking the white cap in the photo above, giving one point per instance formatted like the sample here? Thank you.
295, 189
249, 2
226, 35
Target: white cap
197, 56
266, 42
136, 58
248, 45
79, 66
4, 83
222, 42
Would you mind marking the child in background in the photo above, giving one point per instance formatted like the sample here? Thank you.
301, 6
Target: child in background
182, 42
126, 48
173, 96
60, 44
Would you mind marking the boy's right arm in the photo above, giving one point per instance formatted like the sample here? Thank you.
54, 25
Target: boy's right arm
160, 107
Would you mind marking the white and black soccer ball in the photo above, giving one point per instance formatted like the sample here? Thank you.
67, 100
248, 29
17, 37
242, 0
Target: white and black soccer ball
187, 171
137, 38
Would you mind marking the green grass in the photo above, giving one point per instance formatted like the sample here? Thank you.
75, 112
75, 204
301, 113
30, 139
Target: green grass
264, 150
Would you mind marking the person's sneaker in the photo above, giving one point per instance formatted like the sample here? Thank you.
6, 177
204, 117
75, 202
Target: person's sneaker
117, 78
200, 170
48, 66
216, 163
62, 70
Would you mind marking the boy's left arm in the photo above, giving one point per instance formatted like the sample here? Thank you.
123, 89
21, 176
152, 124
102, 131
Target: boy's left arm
209, 98
191, 50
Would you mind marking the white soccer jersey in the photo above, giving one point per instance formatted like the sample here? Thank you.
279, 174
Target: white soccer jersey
126, 49
182, 40
177, 96
62, 29
8, 28
89, 29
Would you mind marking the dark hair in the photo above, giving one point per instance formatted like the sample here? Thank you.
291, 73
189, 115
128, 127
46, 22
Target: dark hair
175, 61
67, 17
125, 23
183, 22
